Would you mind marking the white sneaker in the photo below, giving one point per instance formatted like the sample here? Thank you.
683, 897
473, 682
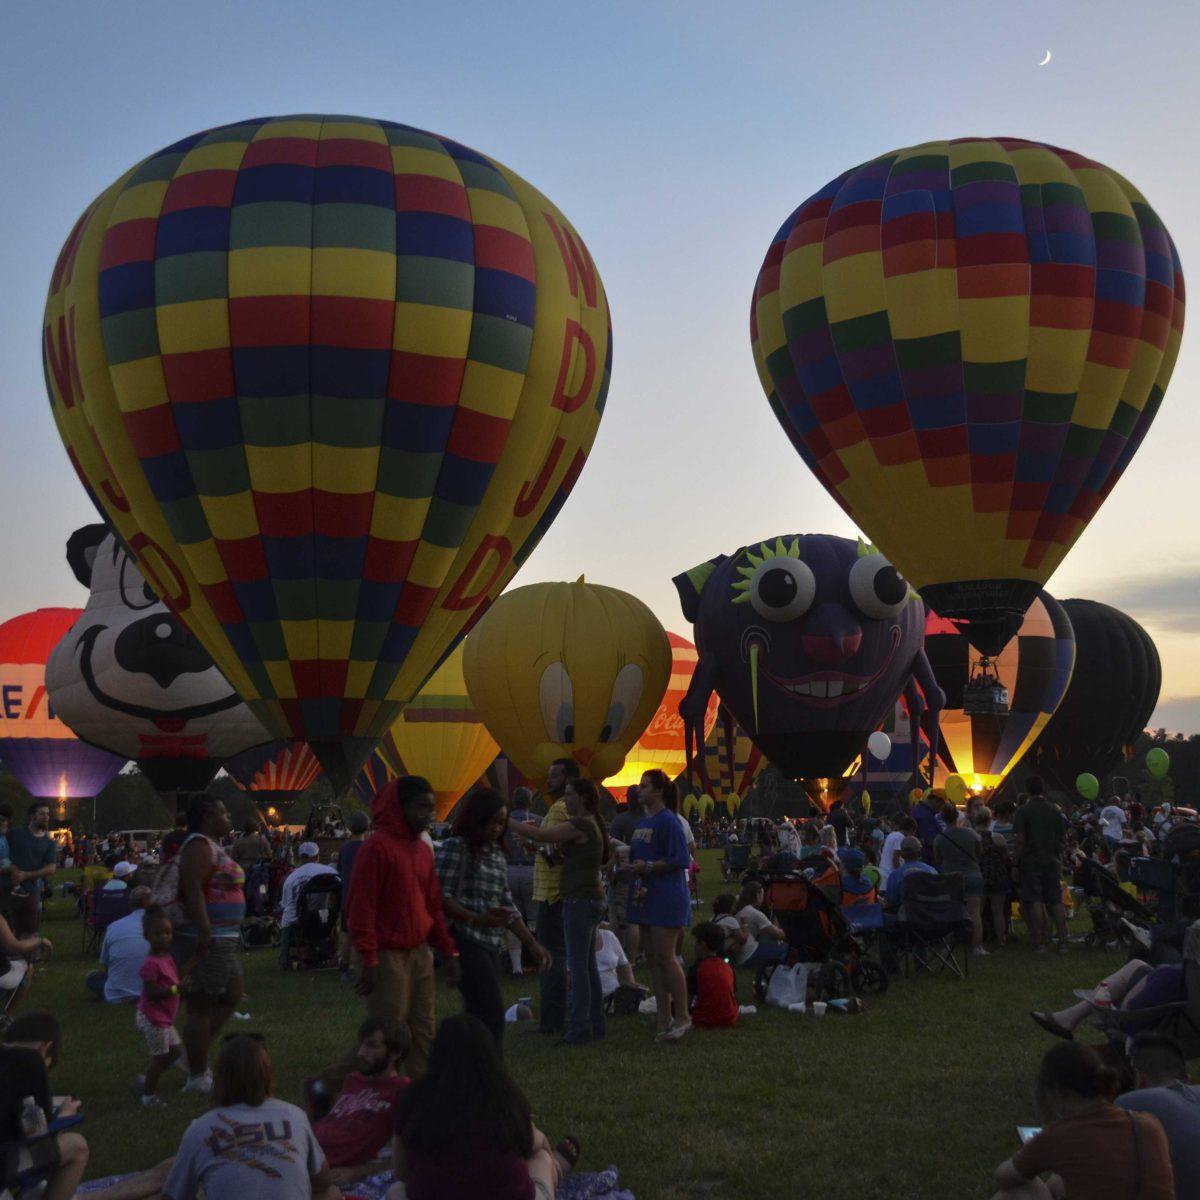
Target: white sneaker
199, 1083
980, 952
153, 1102
677, 1030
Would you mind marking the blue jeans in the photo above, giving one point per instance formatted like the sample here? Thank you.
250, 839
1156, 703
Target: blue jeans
585, 1006
552, 984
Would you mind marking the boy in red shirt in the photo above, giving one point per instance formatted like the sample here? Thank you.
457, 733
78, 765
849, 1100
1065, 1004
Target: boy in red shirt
714, 1003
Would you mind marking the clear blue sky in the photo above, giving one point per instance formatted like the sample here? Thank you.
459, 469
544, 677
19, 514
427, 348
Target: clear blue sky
677, 138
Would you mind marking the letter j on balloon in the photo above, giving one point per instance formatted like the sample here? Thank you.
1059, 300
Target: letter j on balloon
966, 341
333, 377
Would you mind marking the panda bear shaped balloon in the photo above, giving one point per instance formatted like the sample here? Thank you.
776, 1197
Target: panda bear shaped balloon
129, 677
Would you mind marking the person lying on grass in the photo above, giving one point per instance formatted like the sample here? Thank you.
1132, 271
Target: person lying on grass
465, 1130
1087, 1146
710, 981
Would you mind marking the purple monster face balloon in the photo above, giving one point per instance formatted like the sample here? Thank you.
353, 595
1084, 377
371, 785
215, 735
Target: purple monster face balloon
809, 640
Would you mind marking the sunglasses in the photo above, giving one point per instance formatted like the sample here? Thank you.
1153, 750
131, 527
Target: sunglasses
254, 1037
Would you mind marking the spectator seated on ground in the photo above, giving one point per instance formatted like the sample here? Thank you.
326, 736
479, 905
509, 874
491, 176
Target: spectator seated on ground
1135, 986
910, 862
612, 963
742, 931
856, 887
251, 1146
358, 1127
1164, 1092
30, 1051
465, 1129
1088, 1146
15, 954
711, 986
124, 949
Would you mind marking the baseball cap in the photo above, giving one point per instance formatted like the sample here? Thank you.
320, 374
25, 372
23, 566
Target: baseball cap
309, 850
123, 869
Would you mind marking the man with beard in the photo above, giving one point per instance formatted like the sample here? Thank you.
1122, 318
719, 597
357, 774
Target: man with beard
359, 1124
34, 860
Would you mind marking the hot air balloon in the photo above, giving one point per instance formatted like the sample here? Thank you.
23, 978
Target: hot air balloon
441, 736
275, 775
661, 746
966, 341
127, 676
737, 775
567, 670
809, 640
982, 739
1111, 696
331, 379
374, 774
47, 758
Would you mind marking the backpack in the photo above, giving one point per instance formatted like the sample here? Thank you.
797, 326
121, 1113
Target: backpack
164, 891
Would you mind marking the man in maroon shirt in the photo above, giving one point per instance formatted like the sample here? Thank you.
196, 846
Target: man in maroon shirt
359, 1124
395, 914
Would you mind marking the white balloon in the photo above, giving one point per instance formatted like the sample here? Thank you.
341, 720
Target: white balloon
879, 744
1046, 59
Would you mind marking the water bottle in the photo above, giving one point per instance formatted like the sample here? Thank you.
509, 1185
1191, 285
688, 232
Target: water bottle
33, 1119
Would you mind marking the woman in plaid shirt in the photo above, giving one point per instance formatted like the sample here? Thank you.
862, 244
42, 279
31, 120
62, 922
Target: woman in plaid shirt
473, 872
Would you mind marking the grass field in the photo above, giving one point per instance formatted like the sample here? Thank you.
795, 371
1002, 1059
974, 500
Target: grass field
918, 1097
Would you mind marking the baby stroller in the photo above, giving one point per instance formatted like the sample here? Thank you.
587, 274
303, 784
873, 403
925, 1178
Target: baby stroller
313, 940
806, 904
1108, 905
261, 926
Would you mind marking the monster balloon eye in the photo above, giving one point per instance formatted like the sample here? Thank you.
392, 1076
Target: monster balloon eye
877, 588
556, 695
776, 584
626, 693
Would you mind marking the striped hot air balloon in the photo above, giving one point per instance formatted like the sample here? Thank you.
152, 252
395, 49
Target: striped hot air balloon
661, 745
441, 736
1035, 668
275, 775
966, 341
331, 379
46, 757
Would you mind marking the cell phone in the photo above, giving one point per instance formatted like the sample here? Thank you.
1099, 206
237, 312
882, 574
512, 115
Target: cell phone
1025, 1132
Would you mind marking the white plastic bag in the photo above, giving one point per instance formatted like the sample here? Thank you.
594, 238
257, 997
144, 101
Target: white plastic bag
789, 985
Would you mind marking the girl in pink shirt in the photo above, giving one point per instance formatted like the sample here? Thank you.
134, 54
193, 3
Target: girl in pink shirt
158, 1005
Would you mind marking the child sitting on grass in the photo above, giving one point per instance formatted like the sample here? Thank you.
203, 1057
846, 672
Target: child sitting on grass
158, 1005
710, 981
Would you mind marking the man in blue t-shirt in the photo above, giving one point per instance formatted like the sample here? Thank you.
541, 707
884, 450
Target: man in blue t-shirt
1164, 1092
35, 857
910, 862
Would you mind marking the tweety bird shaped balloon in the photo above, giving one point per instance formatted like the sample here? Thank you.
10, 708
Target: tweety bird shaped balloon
567, 670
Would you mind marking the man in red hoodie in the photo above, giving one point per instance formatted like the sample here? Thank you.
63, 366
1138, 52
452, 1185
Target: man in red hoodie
395, 914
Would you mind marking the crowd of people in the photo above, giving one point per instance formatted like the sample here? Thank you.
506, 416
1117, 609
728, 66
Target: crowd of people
579, 902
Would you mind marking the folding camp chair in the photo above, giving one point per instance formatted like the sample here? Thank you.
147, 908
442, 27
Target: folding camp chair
100, 910
1180, 1019
933, 925
736, 860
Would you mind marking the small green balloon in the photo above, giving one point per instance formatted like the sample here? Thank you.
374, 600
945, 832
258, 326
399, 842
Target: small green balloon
1088, 786
1158, 762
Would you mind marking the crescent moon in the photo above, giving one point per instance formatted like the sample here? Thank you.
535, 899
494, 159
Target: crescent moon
1045, 60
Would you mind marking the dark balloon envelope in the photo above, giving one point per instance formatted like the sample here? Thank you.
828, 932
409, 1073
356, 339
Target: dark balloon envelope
275, 774
1110, 699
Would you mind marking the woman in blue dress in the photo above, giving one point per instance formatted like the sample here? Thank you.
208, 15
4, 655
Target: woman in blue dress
658, 898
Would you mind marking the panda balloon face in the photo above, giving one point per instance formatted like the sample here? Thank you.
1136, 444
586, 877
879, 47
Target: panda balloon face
129, 677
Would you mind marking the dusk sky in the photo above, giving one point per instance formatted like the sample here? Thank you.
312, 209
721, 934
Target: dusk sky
676, 138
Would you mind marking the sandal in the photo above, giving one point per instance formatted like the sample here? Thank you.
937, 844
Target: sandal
1050, 1025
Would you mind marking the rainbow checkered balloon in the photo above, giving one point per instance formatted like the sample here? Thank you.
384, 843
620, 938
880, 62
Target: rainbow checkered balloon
967, 341
331, 379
